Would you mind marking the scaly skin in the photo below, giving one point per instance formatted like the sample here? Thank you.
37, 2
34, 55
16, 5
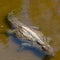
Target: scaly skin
23, 31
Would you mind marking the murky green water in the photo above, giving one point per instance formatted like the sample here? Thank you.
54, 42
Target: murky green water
43, 13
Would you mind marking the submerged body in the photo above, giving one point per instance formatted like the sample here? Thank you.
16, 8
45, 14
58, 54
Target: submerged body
28, 33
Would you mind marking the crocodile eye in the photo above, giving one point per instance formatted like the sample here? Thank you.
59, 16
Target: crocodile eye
43, 48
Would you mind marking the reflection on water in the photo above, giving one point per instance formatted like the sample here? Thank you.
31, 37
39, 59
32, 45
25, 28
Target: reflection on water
24, 45
42, 13
10, 53
15, 50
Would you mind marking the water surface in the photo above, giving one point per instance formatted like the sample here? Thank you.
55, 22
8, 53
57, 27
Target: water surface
42, 13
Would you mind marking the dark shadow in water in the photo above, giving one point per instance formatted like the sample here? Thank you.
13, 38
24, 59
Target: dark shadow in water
33, 49
46, 58
8, 24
